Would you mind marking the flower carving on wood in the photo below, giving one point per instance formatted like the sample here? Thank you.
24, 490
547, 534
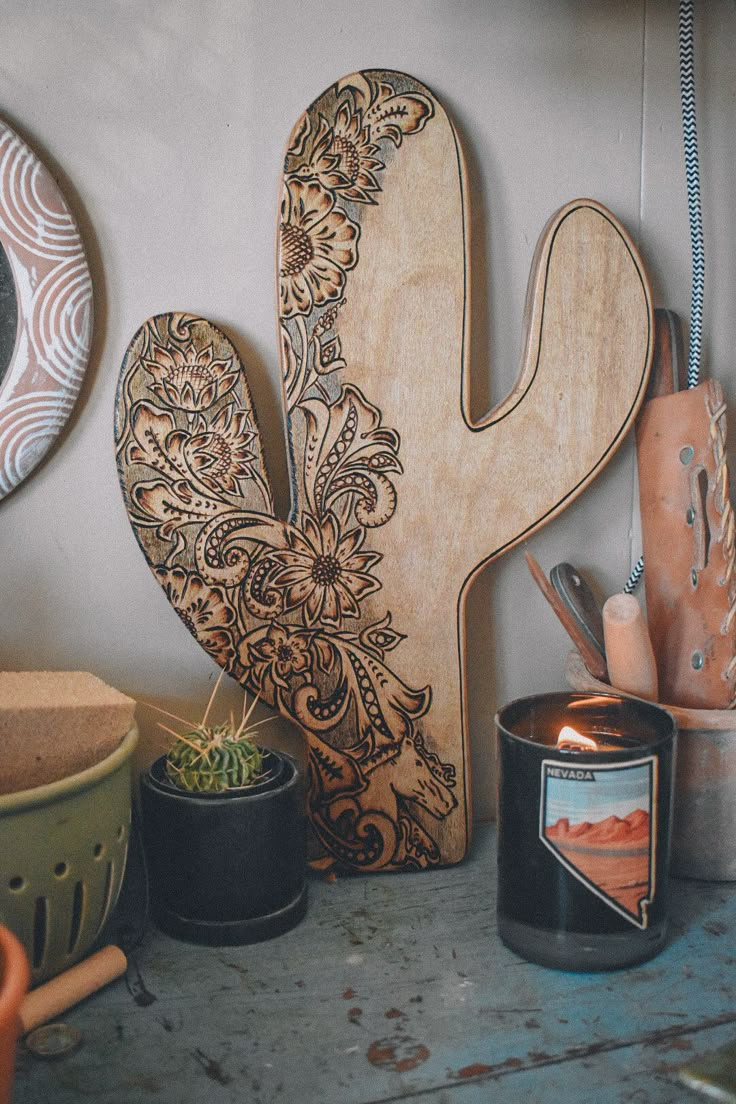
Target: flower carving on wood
281, 656
343, 157
187, 378
324, 571
318, 245
204, 610
220, 456
289, 608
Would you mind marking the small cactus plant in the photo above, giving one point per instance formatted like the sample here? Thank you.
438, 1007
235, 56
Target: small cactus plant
214, 758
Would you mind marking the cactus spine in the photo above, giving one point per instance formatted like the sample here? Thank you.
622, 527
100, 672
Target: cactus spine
213, 758
210, 760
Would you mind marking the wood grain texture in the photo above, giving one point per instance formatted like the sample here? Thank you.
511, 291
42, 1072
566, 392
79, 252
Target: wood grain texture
349, 617
629, 653
398, 989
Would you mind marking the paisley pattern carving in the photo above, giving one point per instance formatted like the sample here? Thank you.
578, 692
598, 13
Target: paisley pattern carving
281, 604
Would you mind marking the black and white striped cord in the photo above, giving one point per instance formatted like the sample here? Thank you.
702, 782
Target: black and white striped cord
692, 179
695, 212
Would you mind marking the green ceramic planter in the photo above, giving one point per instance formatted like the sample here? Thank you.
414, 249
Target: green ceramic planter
63, 848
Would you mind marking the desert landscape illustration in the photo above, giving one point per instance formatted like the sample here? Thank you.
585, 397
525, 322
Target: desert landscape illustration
612, 853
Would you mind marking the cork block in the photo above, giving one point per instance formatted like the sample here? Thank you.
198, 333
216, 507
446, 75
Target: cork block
56, 723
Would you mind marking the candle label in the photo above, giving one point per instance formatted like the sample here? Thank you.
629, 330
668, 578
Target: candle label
599, 821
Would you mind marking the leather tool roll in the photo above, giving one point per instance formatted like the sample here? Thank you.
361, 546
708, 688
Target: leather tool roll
688, 538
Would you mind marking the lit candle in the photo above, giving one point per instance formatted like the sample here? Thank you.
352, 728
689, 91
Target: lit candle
584, 799
569, 739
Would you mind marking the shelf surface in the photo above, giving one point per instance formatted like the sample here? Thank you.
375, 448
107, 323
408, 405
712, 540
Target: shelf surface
396, 987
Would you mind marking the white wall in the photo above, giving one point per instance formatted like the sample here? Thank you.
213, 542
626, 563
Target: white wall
165, 123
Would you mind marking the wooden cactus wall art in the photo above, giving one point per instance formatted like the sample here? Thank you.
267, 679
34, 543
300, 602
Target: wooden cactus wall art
348, 616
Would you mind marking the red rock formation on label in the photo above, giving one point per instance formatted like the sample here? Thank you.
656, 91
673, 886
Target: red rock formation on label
631, 830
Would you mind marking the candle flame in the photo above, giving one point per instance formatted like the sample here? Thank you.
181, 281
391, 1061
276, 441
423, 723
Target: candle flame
575, 741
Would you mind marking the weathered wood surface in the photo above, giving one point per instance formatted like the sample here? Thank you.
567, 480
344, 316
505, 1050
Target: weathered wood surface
397, 987
350, 616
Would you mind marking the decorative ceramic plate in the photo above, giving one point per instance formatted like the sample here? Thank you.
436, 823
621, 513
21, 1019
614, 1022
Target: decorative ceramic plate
45, 310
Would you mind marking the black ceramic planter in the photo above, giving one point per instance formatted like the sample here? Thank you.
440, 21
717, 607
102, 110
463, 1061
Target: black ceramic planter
227, 869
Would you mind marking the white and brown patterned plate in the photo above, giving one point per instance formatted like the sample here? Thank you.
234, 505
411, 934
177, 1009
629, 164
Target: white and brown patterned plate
45, 310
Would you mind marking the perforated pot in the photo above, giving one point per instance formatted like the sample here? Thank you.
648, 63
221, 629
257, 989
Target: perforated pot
63, 848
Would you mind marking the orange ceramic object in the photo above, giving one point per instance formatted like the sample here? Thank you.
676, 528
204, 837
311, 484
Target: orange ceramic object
14, 977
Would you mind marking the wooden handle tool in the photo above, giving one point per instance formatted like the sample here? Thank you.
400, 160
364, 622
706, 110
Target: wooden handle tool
581, 602
69, 988
592, 657
629, 653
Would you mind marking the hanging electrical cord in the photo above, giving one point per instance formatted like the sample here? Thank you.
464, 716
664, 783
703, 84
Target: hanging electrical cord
634, 578
695, 212
692, 179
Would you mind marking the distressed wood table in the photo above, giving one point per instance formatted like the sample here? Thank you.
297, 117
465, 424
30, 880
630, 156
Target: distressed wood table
396, 987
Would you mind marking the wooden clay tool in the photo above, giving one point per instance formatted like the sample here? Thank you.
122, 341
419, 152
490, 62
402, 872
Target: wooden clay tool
688, 536
581, 637
712, 1075
629, 654
580, 601
62, 992
349, 617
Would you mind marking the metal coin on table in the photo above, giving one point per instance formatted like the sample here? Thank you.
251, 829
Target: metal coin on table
53, 1040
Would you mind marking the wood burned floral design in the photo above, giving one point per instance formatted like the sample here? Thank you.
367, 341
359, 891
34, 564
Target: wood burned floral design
318, 245
204, 610
187, 378
280, 656
324, 570
350, 454
343, 158
220, 456
283, 605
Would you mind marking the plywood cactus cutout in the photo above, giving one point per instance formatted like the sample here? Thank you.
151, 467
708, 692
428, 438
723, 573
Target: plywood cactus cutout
348, 617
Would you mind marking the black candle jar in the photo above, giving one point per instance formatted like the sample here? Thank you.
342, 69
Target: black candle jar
584, 835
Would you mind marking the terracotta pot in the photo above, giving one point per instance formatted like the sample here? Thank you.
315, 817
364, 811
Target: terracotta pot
14, 978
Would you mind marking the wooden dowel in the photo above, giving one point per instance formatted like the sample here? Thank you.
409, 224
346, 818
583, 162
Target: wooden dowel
66, 990
629, 654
